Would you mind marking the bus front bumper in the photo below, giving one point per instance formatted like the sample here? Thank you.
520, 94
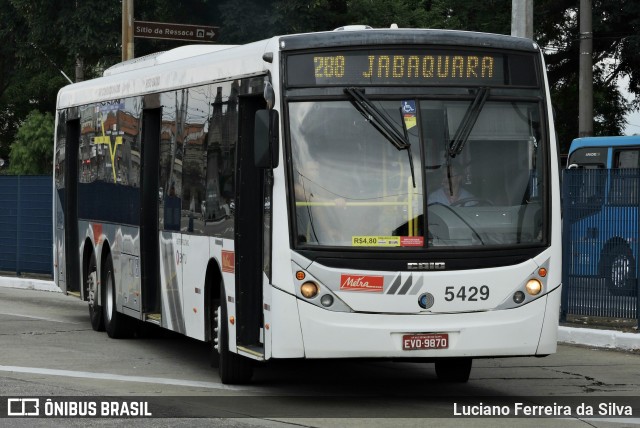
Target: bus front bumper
526, 331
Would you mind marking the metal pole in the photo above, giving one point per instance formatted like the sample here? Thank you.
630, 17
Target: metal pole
636, 185
127, 30
566, 204
522, 18
585, 83
79, 68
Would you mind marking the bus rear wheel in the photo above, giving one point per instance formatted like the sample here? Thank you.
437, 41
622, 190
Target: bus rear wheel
233, 368
620, 271
91, 292
114, 322
454, 369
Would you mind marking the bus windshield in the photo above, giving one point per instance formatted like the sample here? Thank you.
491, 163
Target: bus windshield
354, 188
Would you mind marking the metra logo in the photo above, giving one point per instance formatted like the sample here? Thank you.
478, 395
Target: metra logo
228, 261
426, 266
371, 283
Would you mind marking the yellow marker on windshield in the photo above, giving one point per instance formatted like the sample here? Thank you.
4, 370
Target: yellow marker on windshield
375, 241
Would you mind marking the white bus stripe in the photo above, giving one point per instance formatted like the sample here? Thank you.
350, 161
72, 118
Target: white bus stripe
39, 318
121, 378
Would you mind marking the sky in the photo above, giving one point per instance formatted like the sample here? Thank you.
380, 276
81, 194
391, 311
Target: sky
633, 119
633, 125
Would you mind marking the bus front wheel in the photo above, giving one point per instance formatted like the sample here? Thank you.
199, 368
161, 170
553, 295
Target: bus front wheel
233, 368
454, 369
620, 271
215, 334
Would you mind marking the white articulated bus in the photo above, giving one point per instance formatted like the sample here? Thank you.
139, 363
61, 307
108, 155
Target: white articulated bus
363, 193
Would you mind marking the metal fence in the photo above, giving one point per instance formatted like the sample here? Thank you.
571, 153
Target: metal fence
601, 238
26, 224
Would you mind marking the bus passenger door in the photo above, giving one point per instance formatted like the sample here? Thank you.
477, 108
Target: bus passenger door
149, 251
70, 207
249, 231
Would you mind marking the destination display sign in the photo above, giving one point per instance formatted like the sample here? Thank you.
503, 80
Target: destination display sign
410, 67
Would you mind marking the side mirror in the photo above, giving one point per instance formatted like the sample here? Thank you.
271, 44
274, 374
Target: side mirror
265, 139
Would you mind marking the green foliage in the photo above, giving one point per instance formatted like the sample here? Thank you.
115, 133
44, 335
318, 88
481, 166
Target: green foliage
245, 21
32, 151
616, 52
10, 23
383, 13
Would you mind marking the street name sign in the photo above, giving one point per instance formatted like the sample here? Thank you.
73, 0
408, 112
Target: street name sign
163, 30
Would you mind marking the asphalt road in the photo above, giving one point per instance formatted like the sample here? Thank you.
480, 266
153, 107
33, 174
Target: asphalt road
48, 349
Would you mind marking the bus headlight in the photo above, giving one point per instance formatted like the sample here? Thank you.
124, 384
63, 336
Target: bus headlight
309, 289
314, 291
533, 287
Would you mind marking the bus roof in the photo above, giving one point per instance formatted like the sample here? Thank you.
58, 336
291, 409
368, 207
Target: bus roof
616, 141
386, 36
169, 70
198, 65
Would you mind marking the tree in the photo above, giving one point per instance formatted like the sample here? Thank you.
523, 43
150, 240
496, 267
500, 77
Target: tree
39, 39
616, 52
10, 24
32, 151
300, 16
42, 38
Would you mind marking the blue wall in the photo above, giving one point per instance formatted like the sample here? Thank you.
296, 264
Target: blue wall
25, 224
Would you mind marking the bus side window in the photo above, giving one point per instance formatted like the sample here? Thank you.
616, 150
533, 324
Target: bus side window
624, 177
586, 185
627, 158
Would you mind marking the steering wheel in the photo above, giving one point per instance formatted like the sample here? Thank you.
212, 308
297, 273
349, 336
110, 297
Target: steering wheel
472, 202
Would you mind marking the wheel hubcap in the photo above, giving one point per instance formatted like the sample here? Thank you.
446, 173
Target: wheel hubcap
216, 330
91, 288
619, 271
109, 296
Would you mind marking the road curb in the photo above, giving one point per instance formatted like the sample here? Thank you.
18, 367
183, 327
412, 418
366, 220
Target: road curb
29, 284
609, 339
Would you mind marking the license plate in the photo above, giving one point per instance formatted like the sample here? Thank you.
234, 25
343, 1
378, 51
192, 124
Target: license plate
412, 342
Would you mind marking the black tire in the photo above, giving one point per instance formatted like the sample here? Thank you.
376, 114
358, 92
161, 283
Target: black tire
91, 293
114, 322
619, 271
454, 369
233, 368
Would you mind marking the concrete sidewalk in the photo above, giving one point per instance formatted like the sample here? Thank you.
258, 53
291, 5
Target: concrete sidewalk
29, 284
611, 339
598, 338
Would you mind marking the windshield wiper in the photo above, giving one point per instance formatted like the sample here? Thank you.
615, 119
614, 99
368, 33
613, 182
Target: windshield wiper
468, 121
382, 124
